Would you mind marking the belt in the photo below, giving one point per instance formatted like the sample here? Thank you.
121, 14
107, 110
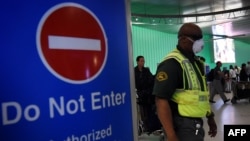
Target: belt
190, 118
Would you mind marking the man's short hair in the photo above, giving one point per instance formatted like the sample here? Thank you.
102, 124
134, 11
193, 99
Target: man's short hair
218, 62
139, 57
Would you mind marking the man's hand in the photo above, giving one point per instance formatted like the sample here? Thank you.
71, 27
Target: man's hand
212, 127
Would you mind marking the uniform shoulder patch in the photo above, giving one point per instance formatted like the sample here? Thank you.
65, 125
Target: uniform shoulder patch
161, 76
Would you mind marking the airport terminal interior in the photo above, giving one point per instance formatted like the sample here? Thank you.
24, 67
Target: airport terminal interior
67, 84
166, 16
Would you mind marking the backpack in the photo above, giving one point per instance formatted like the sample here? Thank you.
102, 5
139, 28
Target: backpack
210, 75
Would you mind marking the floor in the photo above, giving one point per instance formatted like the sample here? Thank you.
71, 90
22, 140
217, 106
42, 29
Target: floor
228, 113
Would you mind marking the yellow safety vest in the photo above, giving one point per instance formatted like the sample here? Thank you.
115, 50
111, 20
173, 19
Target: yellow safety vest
192, 101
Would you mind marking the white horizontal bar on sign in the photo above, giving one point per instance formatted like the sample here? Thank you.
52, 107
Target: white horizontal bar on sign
73, 43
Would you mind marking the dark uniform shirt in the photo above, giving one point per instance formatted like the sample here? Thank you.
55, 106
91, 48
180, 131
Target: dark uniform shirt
169, 77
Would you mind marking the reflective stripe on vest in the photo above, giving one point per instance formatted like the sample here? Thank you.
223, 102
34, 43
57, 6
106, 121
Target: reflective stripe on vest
192, 101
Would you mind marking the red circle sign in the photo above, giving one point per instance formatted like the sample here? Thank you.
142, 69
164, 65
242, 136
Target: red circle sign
72, 43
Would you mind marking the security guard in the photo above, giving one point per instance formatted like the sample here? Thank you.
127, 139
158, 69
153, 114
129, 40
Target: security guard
181, 91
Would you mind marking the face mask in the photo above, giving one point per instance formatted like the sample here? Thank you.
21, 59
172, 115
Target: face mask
197, 45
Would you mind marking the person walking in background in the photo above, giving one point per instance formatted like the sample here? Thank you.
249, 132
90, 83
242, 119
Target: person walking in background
144, 82
232, 78
226, 81
217, 85
237, 70
248, 70
232, 73
210, 78
179, 78
243, 73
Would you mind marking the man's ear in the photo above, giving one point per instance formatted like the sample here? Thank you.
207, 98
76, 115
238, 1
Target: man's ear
184, 40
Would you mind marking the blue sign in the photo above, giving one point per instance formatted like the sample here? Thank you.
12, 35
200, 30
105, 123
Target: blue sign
65, 71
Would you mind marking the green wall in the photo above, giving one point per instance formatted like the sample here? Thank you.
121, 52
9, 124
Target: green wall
155, 45
242, 51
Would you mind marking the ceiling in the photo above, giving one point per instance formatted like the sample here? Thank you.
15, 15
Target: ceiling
232, 17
